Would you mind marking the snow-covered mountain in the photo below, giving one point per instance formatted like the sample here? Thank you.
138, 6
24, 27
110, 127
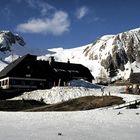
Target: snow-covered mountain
118, 55
110, 57
7, 39
12, 46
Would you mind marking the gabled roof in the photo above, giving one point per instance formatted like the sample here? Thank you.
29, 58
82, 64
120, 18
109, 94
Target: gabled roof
71, 67
64, 66
12, 65
45, 69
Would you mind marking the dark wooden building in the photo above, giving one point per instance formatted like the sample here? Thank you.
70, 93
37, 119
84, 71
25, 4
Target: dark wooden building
29, 73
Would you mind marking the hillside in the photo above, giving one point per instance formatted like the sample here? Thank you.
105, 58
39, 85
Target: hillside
109, 58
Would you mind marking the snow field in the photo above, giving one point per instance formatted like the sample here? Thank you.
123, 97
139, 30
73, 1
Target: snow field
81, 125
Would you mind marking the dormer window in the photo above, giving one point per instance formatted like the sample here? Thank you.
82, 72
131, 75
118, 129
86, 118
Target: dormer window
28, 67
28, 75
51, 60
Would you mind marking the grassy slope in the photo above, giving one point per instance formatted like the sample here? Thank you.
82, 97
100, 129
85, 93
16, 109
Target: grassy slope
82, 103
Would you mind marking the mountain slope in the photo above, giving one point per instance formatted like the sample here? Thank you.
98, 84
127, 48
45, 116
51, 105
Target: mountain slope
12, 46
7, 39
109, 58
117, 53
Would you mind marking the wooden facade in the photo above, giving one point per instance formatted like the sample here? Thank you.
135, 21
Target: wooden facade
29, 73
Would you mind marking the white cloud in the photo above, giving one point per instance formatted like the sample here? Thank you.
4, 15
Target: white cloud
45, 7
98, 19
7, 12
31, 3
42, 6
81, 12
57, 25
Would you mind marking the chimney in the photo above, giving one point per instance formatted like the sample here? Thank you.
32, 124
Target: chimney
51, 59
68, 61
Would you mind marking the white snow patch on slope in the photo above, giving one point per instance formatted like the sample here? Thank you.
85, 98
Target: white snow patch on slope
2, 65
58, 94
11, 58
136, 67
56, 50
106, 37
75, 54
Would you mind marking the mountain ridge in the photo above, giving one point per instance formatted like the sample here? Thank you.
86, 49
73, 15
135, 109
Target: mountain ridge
110, 57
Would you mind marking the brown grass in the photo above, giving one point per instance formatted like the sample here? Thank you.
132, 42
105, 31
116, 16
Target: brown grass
82, 103
19, 105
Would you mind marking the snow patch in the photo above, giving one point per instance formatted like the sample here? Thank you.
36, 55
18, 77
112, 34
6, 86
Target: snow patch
58, 94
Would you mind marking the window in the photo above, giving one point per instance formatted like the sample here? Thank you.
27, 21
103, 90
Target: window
6, 82
13, 82
28, 75
3, 83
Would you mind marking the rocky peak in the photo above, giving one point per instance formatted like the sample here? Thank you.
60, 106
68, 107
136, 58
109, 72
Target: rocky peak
7, 39
116, 51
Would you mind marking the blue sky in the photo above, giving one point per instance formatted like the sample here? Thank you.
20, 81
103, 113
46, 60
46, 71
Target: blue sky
67, 23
